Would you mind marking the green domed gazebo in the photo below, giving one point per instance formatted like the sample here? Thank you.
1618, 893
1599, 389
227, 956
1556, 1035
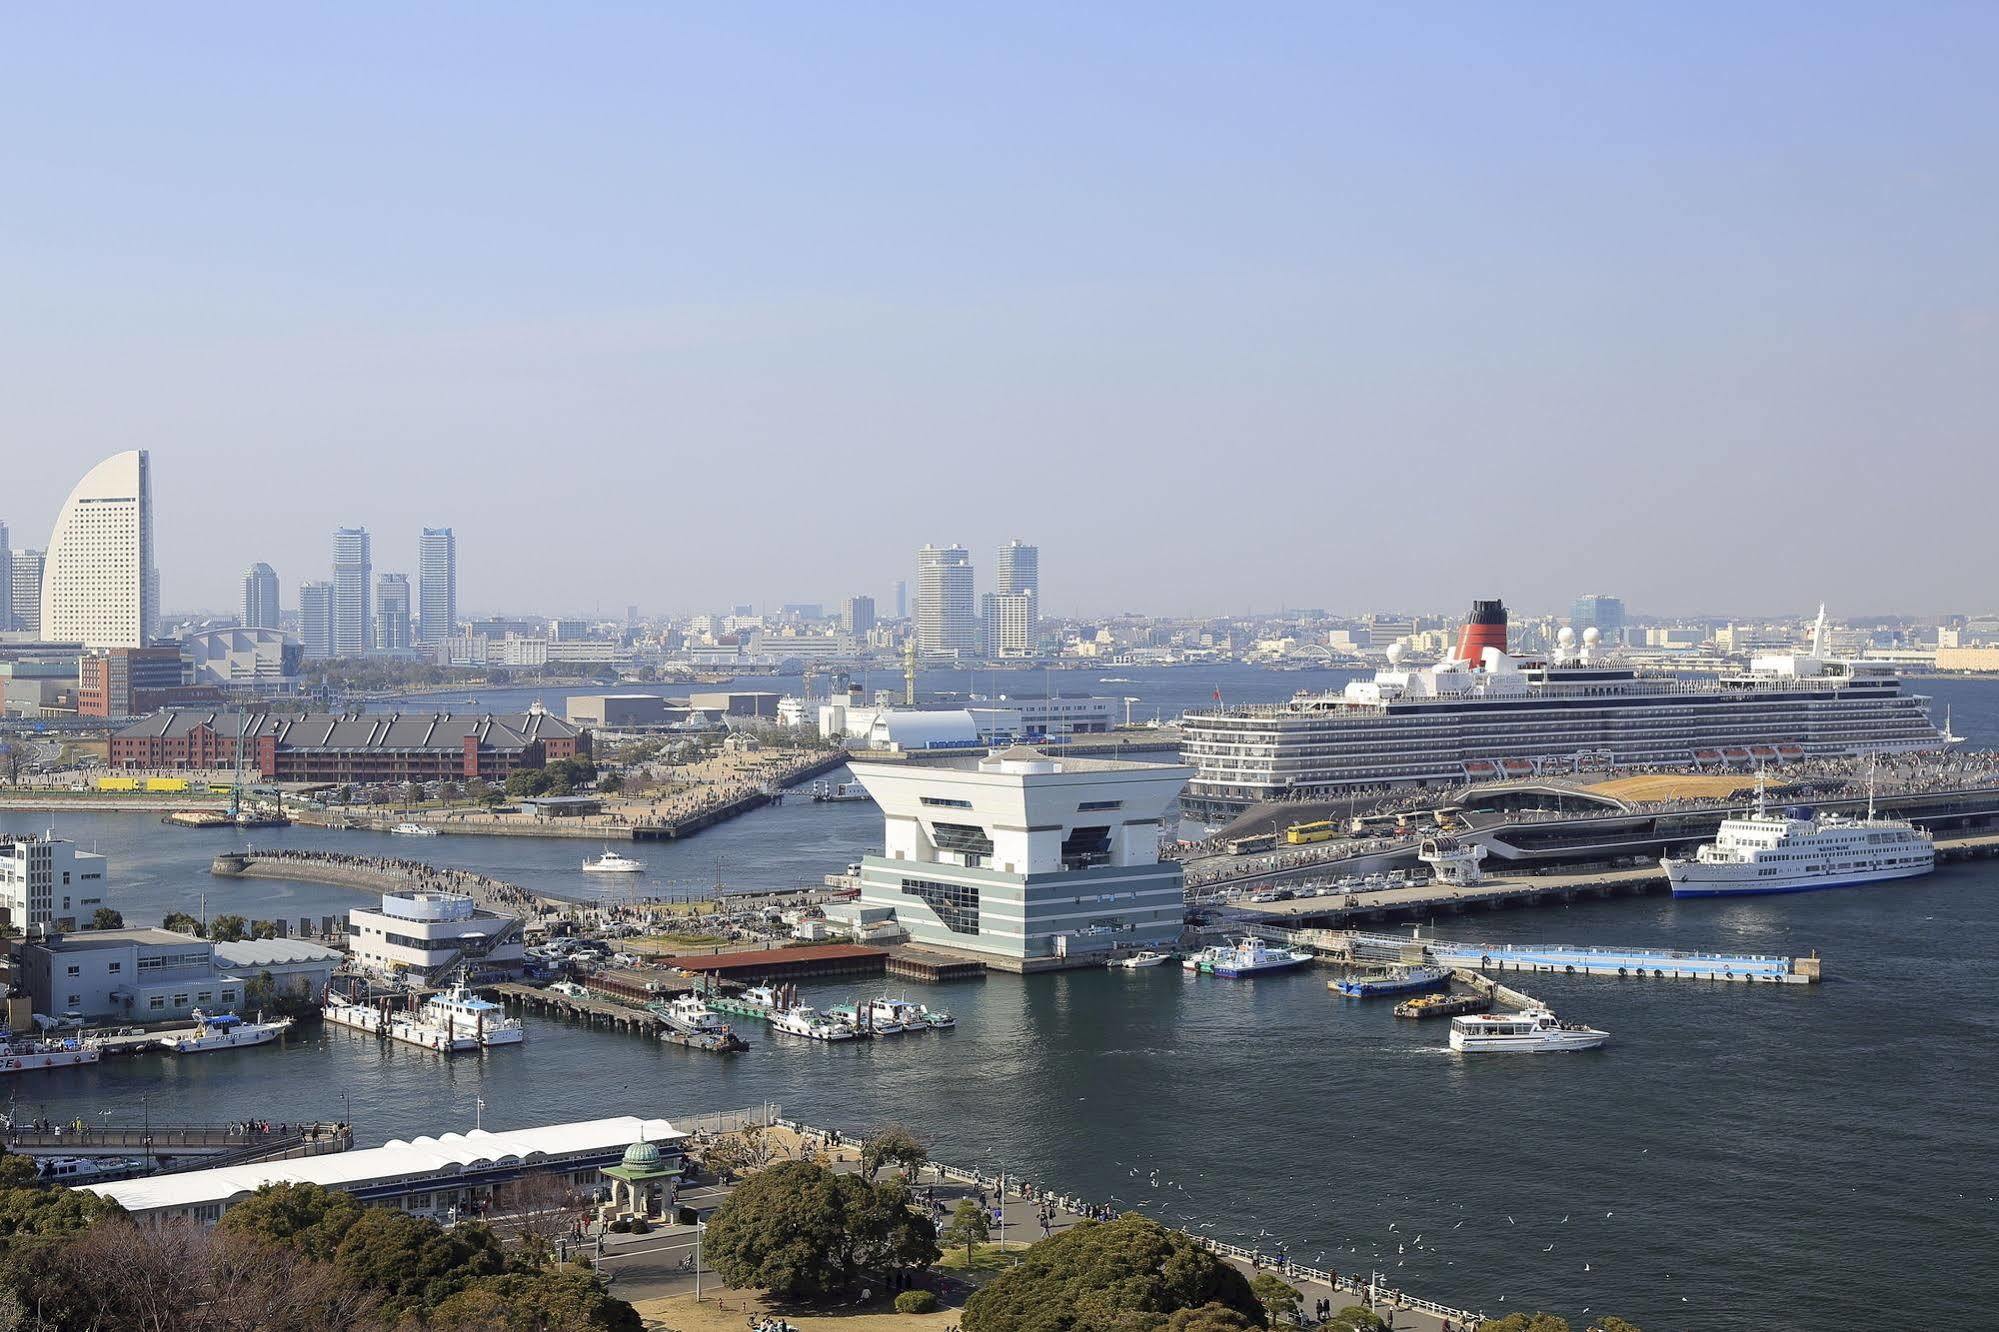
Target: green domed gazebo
642, 1173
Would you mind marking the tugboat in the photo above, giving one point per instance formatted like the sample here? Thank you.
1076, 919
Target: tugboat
692, 1023
1442, 1005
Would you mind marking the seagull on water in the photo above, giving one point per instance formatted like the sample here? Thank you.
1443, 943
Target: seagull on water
1549, 1249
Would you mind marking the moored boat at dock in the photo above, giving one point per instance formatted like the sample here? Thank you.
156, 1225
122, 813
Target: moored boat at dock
1144, 957
1442, 1005
453, 1022
692, 1023
1250, 957
1393, 980
1798, 850
225, 1031
26, 1054
413, 830
805, 1020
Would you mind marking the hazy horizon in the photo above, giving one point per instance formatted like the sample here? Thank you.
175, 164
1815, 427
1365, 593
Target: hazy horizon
1295, 305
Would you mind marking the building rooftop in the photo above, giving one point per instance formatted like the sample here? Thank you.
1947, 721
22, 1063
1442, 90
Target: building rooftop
980, 761
448, 1154
251, 953
86, 940
372, 730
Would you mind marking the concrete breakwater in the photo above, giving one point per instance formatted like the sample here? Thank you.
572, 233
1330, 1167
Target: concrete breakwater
385, 874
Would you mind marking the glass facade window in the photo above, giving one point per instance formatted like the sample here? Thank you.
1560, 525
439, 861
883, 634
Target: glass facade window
957, 906
964, 837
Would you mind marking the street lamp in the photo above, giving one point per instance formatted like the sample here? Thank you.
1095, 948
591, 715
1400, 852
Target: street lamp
700, 1228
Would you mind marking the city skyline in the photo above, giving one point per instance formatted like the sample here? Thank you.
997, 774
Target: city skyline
1332, 309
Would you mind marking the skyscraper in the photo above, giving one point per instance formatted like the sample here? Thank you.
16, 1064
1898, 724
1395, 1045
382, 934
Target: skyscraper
1018, 570
437, 582
1017, 575
315, 619
392, 612
858, 615
946, 620
1009, 624
1602, 613
901, 599
99, 586
6, 581
260, 597
26, 593
353, 610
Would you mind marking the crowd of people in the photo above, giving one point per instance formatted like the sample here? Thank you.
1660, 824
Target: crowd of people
421, 876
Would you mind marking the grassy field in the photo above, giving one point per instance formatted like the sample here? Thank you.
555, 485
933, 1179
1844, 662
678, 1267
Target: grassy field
672, 943
986, 1258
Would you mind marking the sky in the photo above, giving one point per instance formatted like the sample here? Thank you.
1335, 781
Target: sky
1225, 307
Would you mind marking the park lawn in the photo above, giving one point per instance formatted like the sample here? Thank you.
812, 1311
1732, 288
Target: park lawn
732, 1312
986, 1259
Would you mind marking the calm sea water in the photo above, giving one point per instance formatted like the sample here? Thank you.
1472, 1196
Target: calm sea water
1780, 1158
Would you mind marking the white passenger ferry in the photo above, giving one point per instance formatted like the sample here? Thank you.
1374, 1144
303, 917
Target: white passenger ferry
1798, 851
1486, 712
1531, 1031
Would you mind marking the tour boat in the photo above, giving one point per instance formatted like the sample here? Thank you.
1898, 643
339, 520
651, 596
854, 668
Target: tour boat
1145, 957
1799, 851
25, 1054
225, 1031
414, 830
805, 1020
613, 863
1396, 980
1531, 1031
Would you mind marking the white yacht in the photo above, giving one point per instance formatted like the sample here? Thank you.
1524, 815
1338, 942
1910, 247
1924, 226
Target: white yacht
414, 830
613, 863
1144, 957
465, 1015
225, 1031
804, 1020
1797, 851
1530, 1031
887, 1016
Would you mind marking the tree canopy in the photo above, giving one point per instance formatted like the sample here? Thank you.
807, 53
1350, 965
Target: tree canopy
568, 1301
1525, 1322
968, 1227
305, 1217
1280, 1299
105, 918
1127, 1275
893, 1146
180, 922
803, 1232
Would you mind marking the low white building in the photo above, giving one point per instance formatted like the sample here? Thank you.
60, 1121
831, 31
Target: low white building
47, 882
1025, 858
431, 934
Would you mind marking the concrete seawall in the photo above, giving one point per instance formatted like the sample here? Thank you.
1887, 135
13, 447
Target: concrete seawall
389, 877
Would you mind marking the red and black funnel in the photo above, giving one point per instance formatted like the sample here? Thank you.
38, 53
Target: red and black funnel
1485, 628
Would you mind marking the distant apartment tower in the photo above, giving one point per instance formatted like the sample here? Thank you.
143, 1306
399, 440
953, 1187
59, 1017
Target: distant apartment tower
901, 599
6, 581
1009, 624
353, 605
260, 597
25, 594
946, 615
857, 617
437, 583
99, 586
1602, 613
1019, 569
315, 620
392, 612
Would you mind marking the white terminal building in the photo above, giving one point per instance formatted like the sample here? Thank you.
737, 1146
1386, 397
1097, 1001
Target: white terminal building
47, 882
431, 934
1024, 859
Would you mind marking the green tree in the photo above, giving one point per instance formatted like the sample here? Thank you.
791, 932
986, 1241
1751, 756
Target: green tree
1613, 1323
1113, 1276
528, 782
1279, 1298
1524, 1322
228, 929
1208, 1318
802, 1232
182, 923
611, 783
305, 1217
104, 918
263, 929
1354, 1318
524, 1302
969, 1227
894, 1145
413, 1262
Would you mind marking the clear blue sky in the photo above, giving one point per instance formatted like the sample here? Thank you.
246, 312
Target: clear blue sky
1225, 306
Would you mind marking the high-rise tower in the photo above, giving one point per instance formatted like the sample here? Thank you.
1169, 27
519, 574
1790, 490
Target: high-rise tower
99, 587
260, 597
353, 604
437, 583
946, 618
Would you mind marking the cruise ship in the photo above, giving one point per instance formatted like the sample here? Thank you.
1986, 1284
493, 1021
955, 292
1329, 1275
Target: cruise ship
1487, 713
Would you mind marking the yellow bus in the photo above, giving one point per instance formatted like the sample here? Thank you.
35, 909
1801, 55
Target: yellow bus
117, 783
1299, 834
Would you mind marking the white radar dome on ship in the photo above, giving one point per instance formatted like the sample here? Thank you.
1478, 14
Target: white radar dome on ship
1395, 651
1591, 635
1567, 637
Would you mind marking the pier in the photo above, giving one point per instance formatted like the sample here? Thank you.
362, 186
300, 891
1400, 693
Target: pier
184, 1146
1352, 946
591, 1012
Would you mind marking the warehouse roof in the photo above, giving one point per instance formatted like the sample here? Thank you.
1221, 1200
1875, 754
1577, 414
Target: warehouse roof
450, 1154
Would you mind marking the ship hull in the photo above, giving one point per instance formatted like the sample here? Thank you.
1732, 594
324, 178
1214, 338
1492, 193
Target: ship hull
1722, 887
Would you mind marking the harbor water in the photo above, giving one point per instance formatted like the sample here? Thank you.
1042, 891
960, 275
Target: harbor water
1793, 1157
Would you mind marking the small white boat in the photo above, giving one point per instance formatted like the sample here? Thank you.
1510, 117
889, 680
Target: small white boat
413, 830
1530, 1031
570, 989
689, 1014
448, 1023
805, 1020
25, 1054
936, 1018
225, 1031
613, 863
1144, 957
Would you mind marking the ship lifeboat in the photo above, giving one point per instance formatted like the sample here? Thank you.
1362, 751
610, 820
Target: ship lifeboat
1735, 754
1481, 768
1763, 751
1516, 767
1707, 755
1791, 751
